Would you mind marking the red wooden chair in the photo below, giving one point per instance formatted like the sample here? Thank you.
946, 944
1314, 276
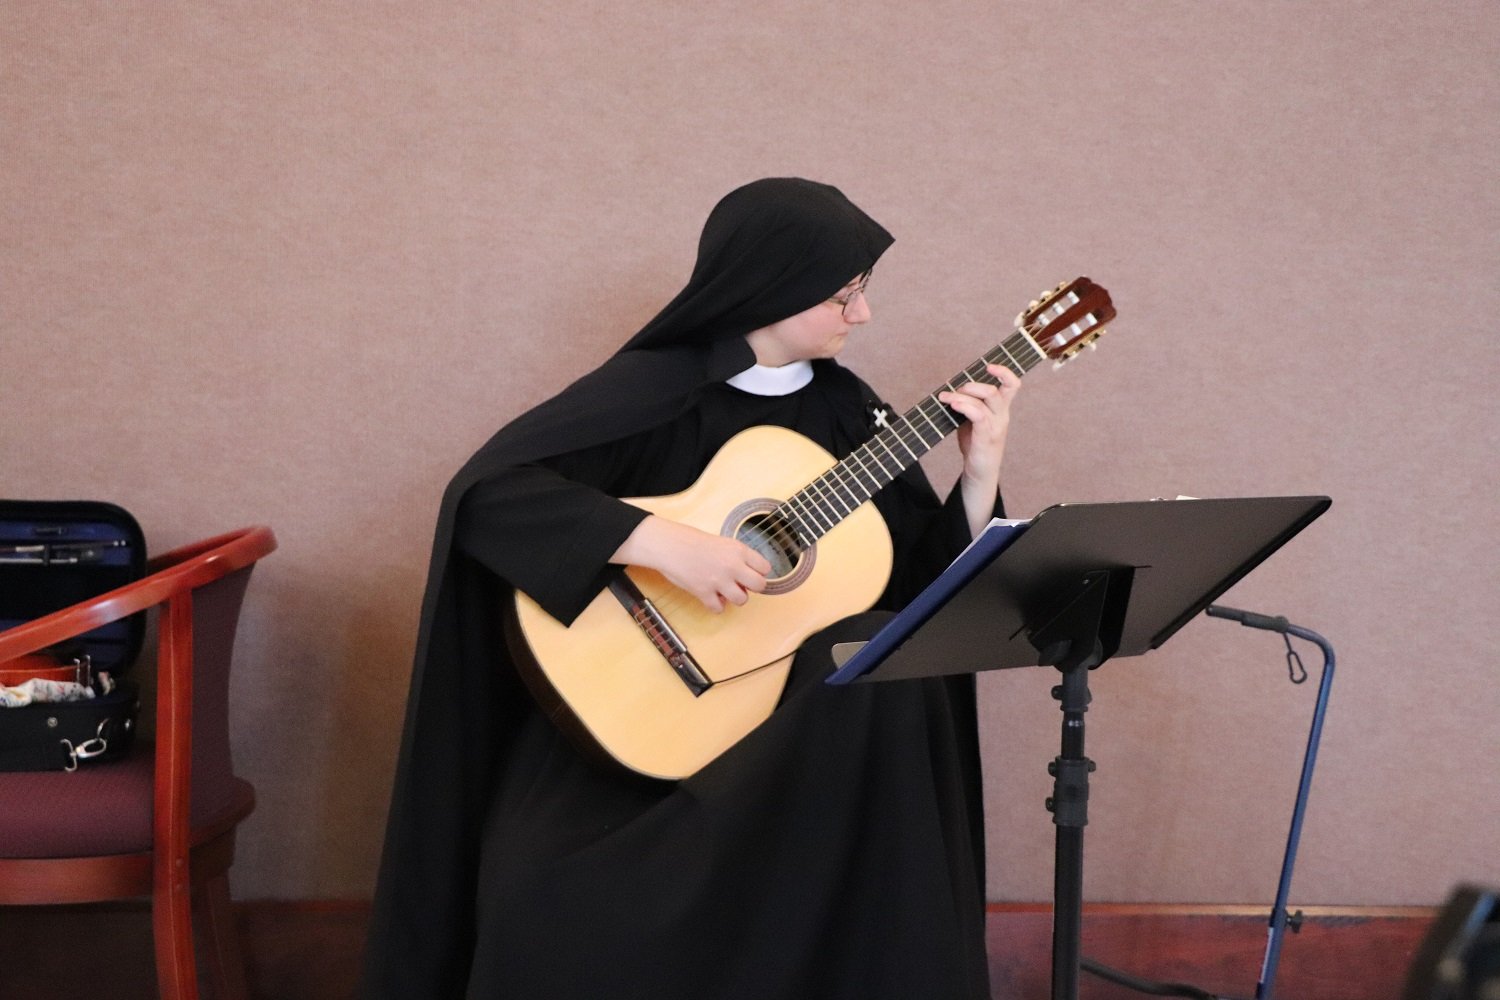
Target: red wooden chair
161, 822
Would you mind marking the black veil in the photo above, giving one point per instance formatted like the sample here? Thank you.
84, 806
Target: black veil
769, 250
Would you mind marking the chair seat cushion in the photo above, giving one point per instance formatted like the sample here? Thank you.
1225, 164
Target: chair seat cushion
99, 809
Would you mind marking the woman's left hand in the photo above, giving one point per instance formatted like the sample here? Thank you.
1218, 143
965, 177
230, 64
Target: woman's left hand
982, 439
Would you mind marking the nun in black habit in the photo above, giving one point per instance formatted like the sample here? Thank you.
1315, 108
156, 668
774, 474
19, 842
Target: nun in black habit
836, 851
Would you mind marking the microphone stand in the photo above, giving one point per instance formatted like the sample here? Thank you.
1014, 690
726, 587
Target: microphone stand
1280, 919
1279, 916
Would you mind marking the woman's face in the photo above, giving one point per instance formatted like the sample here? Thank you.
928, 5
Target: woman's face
819, 332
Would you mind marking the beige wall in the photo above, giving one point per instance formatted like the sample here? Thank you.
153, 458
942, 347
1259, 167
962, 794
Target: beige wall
292, 262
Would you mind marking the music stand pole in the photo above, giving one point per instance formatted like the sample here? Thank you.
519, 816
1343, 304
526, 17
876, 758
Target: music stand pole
1069, 806
1081, 633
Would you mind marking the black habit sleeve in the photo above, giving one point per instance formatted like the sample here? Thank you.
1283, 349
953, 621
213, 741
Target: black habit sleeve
545, 534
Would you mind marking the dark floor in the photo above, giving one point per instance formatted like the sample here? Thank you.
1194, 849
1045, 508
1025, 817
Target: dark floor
1331, 958
310, 951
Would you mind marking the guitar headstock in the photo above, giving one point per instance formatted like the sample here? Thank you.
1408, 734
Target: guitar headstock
1067, 319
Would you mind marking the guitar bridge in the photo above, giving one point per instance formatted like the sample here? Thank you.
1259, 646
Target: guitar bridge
656, 628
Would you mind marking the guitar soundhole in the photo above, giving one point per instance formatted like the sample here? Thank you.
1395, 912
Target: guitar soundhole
757, 525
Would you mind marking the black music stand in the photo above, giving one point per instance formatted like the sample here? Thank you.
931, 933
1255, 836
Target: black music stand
1082, 583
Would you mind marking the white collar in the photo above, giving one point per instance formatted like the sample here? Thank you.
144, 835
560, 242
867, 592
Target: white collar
783, 381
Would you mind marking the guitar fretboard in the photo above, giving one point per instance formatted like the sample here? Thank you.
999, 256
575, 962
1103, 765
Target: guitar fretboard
817, 508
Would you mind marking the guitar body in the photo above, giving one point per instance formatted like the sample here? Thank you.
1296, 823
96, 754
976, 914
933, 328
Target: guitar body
603, 677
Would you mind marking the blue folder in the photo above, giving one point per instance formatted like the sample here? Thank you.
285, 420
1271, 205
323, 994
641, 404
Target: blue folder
980, 553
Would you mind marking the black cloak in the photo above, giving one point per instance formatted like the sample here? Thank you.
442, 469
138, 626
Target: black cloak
769, 250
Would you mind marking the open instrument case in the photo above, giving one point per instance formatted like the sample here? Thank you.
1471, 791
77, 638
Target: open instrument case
55, 554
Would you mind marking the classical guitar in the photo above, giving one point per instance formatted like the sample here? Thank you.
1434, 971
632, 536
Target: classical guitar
649, 678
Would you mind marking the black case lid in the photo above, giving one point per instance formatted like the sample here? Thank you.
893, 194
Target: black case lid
56, 553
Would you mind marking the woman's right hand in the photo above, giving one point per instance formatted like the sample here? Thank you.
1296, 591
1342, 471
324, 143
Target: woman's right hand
714, 569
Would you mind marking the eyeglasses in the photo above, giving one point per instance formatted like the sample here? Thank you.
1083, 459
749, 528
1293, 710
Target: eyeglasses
843, 299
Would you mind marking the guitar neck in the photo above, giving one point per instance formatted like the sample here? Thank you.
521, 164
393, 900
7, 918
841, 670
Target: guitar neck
814, 510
